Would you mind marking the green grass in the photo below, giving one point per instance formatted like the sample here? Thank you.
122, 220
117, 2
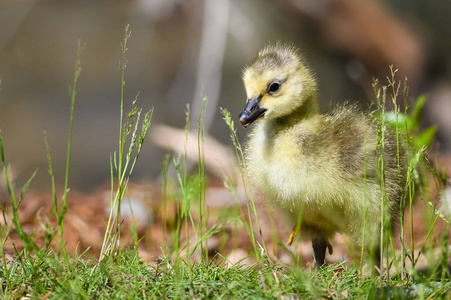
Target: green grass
129, 278
41, 267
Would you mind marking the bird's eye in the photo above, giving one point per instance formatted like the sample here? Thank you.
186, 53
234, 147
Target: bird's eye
273, 87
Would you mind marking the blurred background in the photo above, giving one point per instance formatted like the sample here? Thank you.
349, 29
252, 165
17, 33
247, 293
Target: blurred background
179, 50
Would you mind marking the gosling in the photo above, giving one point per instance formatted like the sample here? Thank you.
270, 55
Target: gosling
319, 167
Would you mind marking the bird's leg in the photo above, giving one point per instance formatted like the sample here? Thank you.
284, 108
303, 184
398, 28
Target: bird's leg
377, 258
319, 245
375, 254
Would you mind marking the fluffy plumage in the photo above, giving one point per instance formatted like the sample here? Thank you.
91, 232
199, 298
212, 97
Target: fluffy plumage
323, 165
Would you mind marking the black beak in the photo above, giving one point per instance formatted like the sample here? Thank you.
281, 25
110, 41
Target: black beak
251, 112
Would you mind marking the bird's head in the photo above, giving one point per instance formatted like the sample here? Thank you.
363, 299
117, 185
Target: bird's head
277, 83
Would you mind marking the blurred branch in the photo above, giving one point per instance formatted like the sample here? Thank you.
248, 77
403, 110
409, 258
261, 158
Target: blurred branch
214, 33
365, 30
218, 158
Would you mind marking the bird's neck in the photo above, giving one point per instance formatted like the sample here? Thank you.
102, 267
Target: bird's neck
307, 110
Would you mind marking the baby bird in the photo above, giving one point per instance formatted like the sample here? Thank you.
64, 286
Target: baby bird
322, 167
